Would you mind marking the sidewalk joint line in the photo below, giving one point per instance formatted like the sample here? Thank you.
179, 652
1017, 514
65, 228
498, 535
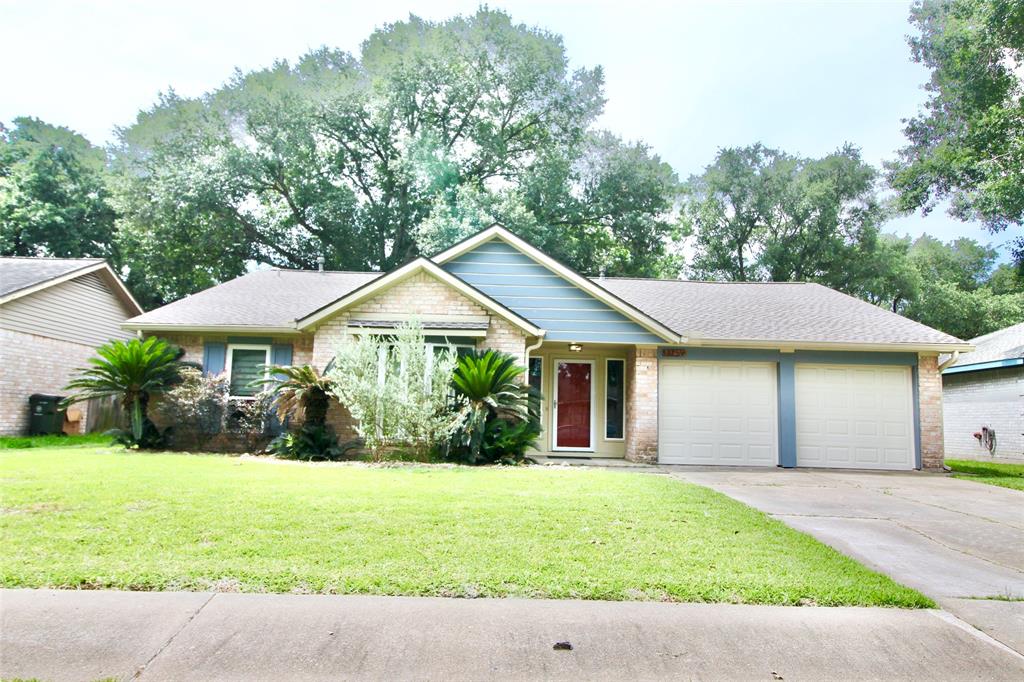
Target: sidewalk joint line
170, 639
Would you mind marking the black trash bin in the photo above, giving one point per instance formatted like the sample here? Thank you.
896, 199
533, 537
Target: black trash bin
46, 416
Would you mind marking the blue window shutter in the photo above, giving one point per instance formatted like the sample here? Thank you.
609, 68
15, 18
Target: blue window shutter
281, 354
214, 356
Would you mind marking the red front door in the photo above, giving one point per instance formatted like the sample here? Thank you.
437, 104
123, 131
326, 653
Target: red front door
572, 404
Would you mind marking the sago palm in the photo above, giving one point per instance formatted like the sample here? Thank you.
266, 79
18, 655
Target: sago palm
299, 391
130, 370
489, 386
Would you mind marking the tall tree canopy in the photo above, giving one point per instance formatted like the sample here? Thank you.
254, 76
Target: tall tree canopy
950, 286
968, 143
436, 129
761, 214
54, 199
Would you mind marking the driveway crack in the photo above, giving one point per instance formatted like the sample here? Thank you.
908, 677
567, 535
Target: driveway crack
170, 639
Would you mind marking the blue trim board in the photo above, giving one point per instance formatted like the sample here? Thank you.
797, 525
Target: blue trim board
787, 410
979, 366
816, 356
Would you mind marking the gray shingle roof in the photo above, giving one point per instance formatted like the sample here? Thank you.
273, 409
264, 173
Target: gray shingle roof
17, 273
1003, 344
264, 298
769, 311
764, 312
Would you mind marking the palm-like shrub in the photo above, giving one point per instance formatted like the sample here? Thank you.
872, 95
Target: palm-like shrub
494, 402
132, 371
301, 392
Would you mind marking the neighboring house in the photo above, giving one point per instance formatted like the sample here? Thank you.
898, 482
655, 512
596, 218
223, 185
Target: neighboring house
650, 370
985, 390
54, 312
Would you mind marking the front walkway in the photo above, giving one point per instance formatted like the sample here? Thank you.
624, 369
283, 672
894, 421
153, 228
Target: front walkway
957, 541
80, 635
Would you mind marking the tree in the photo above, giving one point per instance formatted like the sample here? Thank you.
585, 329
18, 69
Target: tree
372, 160
950, 286
132, 371
761, 214
395, 389
54, 199
967, 144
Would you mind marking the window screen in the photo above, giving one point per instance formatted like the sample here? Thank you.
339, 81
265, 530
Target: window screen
246, 367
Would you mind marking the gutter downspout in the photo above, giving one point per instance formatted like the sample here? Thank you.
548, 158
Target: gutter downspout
950, 360
530, 349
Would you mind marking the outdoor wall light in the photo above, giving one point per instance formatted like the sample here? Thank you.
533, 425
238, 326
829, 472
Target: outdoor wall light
575, 348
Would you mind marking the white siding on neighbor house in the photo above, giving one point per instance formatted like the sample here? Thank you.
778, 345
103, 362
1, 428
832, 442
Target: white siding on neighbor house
83, 310
992, 398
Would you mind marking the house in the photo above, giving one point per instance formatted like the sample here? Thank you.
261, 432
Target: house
985, 391
54, 312
678, 372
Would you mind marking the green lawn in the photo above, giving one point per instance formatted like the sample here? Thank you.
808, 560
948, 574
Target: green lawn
101, 517
993, 473
22, 442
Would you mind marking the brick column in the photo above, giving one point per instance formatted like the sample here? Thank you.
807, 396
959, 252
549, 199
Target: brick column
929, 402
642, 404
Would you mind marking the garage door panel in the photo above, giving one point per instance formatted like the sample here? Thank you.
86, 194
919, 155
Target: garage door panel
718, 413
854, 416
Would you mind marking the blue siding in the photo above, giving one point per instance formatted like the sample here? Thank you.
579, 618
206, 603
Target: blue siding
545, 298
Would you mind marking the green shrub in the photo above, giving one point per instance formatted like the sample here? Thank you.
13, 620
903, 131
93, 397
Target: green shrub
310, 443
498, 415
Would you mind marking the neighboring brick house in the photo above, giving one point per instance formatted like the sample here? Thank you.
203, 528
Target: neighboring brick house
679, 372
54, 312
985, 390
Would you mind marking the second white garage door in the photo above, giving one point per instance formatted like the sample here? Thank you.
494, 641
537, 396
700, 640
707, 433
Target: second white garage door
854, 416
717, 413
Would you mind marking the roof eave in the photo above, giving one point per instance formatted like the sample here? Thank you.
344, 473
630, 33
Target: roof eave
207, 328
791, 345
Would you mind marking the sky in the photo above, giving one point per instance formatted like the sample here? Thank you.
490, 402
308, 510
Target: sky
687, 78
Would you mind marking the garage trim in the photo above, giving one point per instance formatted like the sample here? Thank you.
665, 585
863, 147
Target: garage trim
786, 363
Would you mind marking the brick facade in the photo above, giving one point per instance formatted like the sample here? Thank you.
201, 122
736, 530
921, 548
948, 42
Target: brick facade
929, 386
642, 405
992, 398
35, 364
420, 295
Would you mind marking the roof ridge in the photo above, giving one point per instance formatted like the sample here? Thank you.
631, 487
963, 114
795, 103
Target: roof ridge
689, 281
323, 272
90, 258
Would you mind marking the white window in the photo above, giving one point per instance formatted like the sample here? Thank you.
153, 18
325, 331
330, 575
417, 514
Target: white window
246, 363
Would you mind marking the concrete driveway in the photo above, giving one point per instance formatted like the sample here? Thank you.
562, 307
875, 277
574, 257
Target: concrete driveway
959, 542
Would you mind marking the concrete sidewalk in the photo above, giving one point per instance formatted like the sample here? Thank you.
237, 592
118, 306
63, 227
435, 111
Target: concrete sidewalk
69, 635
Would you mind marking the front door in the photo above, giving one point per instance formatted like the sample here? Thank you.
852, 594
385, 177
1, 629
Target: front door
574, 405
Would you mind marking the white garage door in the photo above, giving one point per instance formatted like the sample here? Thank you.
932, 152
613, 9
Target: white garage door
854, 416
717, 413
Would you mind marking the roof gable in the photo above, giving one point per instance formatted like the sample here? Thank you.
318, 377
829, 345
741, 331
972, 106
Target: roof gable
395, 277
21, 276
566, 304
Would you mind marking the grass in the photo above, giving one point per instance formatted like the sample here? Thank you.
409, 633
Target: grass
55, 441
102, 517
993, 473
